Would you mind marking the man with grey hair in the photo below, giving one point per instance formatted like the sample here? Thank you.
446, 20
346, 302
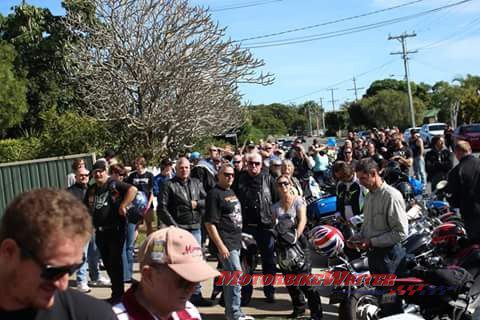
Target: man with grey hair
256, 191
181, 203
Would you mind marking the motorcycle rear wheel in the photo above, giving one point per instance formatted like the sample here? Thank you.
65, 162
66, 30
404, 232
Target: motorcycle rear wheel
360, 306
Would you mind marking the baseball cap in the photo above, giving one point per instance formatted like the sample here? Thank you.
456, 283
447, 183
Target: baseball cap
178, 249
250, 143
166, 162
195, 155
99, 165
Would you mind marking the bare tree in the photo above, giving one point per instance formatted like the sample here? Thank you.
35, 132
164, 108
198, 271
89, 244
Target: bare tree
161, 68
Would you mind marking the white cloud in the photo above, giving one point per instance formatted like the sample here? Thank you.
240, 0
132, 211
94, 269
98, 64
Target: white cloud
464, 49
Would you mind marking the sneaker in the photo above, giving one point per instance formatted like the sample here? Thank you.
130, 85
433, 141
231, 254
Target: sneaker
101, 282
245, 317
83, 287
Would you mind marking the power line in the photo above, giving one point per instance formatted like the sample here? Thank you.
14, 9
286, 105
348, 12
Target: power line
246, 5
463, 30
347, 31
341, 82
331, 22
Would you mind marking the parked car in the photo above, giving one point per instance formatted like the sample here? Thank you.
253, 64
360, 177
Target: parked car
431, 130
363, 134
406, 133
470, 133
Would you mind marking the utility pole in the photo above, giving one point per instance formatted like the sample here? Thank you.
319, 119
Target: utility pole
321, 114
333, 99
309, 120
402, 38
355, 89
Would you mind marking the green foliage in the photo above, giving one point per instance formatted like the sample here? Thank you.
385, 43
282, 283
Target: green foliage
71, 133
38, 37
390, 108
13, 103
19, 149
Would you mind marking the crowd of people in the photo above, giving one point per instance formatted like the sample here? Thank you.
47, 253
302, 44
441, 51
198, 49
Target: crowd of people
211, 199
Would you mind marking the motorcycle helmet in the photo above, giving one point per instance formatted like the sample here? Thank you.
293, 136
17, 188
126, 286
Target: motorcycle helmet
140, 201
327, 240
447, 235
405, 189
392, 172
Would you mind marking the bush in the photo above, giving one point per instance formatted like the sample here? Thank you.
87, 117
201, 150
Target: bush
19, 149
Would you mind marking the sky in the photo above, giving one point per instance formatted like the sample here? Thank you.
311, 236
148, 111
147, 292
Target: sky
447, 40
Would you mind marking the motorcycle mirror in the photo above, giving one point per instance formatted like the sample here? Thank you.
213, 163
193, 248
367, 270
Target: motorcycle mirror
441, 185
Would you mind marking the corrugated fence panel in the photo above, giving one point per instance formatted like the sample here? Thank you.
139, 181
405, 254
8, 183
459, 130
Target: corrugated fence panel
17, 177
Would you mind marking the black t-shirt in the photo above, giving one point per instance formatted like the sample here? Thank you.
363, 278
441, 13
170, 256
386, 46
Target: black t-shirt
104, 202
404, 152
68, 305
223, 209
143, 182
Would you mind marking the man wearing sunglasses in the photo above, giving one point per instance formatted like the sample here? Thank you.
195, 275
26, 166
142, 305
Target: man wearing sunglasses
42, 238
256, 190
223, 221
171, 267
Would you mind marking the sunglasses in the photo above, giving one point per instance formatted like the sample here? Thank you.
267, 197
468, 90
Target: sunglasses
237, 161
49, 272
228, 175
283, 183
213, 150
254, 163
348, 152
83, 175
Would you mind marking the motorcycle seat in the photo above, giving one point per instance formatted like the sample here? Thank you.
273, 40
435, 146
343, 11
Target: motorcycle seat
360, 264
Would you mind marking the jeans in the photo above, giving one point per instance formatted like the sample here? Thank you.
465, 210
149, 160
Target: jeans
197, 234
387, 261
419, 169
266, 244
93, 256
127, 254
82, 272
232, 293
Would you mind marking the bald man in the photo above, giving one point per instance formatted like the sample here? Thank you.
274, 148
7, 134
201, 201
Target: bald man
464, 188
181, 203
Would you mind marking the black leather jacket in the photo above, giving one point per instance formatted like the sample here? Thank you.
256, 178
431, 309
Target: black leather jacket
175, 206
256, 206
437, 164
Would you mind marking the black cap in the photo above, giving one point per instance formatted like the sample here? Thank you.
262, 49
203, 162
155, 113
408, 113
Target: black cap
250, 144
99, 165
166, 162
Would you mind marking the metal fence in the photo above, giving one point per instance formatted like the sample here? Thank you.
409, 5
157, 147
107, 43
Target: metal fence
17, 177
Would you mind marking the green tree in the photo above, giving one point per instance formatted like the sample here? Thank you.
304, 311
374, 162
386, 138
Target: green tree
13, 102
390, 108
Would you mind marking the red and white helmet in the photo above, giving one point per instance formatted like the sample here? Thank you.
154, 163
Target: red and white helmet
447, 235
327, 240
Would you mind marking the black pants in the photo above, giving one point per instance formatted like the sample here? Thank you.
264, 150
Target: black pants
298, 293
387, 261
110, 244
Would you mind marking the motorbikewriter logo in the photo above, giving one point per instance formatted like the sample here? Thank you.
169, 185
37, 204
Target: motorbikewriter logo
336, 278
